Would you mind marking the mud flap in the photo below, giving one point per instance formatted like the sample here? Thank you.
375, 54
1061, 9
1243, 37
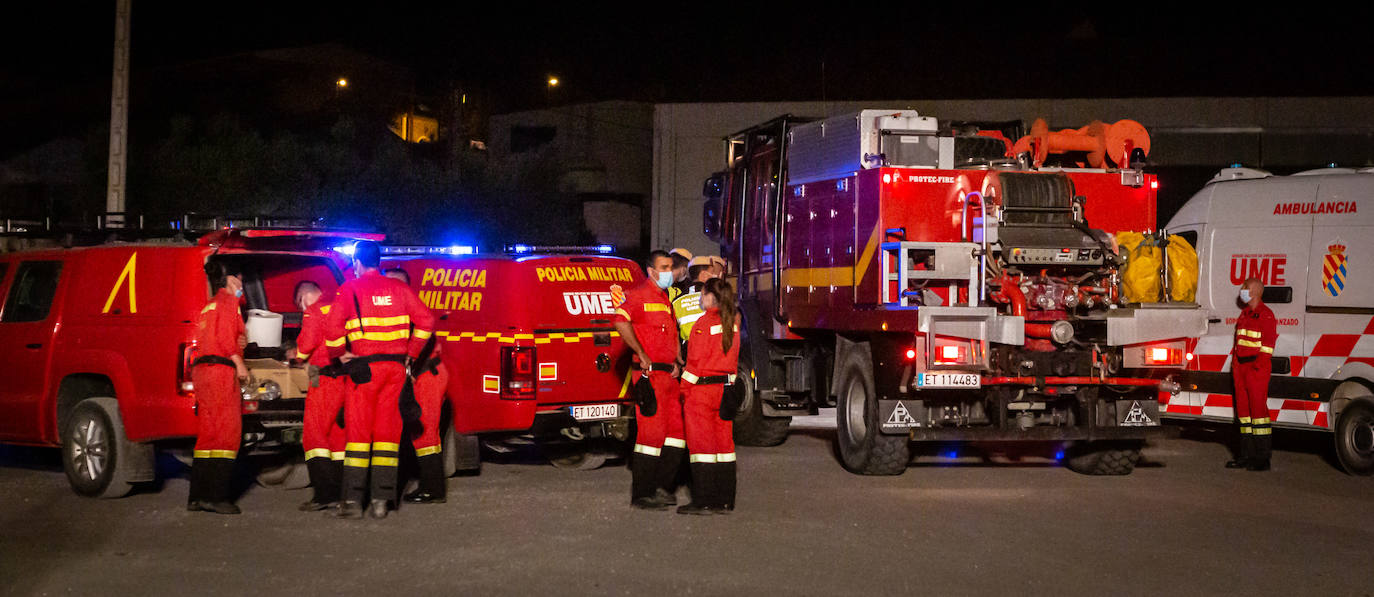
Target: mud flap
899, 417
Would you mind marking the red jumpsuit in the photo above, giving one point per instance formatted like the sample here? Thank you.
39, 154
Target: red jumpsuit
430, 385
1256, 334
372, 317
219, 418
322, 439
710, 440
659, 440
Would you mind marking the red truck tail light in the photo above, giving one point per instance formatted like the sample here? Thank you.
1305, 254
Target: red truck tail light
188, 356
519, 372
952, 352
1162, 356
1156, 354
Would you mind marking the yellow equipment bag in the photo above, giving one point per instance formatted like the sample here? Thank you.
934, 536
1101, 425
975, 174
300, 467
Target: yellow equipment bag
1182, 270
1140, 279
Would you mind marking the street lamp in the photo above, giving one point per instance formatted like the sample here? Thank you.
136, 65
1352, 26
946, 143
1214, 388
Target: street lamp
341, 83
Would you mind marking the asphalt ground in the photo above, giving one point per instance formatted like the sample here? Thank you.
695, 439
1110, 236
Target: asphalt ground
966, 520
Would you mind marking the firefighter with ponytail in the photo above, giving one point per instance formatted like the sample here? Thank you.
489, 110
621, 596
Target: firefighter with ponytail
712, 394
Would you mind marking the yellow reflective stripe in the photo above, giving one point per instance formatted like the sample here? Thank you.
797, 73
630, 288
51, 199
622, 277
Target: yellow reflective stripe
334, 343
208, 308
1245, 430
648, 450
712, 458
215, 453
1245, 420
302, 356
1248, 343
356, 462
377, 322
673, 442
358, 447
379, 336
1250, 333
1266, 349
657, 307
422, 334
385, 461
1263, 431
337, 456
1264, 421
387, 446
430, 450
623, 313
325, 309
318, 453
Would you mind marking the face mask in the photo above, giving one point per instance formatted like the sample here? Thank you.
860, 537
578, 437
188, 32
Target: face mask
1245, 295
664, 280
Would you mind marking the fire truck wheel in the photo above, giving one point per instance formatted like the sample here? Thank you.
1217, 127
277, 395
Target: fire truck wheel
863, 448
751, 426
1355, 438
95, 454
1103, 457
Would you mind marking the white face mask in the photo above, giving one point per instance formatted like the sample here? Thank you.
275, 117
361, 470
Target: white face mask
664, 279
1245, 295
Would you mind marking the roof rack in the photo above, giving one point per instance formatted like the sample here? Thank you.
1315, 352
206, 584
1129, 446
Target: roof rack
123, 226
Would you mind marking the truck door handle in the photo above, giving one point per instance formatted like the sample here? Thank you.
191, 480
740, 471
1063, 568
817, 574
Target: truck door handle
1213, 320
33, 346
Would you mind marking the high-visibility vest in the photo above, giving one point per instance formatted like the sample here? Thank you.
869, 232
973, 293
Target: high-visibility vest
687, 310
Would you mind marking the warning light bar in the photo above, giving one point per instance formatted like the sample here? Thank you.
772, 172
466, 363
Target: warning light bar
523, 249
429, 250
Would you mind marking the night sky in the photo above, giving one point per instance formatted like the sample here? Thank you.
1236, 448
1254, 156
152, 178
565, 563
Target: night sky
662, 52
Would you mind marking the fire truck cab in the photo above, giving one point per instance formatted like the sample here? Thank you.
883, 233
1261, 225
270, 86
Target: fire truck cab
100, 339
527, 339
1307, 237
936, 281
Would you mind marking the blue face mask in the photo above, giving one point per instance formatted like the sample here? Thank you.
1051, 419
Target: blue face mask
664, 280
1245, 295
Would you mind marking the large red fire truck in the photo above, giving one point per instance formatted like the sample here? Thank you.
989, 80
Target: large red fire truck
938, 282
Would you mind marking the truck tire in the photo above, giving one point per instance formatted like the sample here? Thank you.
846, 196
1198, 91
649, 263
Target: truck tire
751, 426
1355, 438
98, 459
575, 457
863, 448
1103, 457
462, 452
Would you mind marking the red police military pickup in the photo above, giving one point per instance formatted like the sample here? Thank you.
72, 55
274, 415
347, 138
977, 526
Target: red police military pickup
528, 343
98, 343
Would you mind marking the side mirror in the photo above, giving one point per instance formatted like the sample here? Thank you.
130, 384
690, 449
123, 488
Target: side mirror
710, 219
714, 187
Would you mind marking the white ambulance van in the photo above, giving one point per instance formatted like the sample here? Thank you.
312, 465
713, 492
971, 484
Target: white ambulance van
1310, 238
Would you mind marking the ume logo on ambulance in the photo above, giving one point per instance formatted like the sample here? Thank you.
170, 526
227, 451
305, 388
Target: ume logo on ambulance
588, 303
1270, 268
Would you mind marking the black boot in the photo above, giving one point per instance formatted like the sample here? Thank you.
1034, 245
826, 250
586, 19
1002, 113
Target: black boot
353, 484
1263, 449
195, 498
644, 482
323, 483
705, 490
726, 499
433, 487
1244, 454
218, 487
670, 461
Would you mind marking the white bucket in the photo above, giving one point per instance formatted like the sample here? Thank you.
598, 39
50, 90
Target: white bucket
264, 328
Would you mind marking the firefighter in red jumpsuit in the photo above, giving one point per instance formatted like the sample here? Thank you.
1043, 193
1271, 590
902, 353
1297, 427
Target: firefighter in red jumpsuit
431, 382
322, 439
712, 363
1256, 333
216, 374
384, 325
645, 323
